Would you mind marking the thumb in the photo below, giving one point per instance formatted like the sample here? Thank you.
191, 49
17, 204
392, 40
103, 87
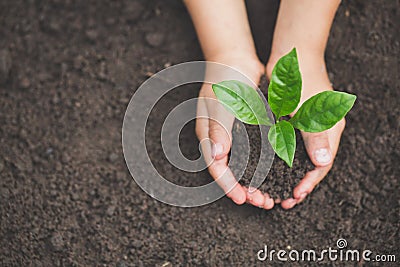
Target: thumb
220, 138
318, 148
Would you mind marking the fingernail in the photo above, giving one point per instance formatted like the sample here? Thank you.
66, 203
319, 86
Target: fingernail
322, 155
252, 190
269, 202
216, 150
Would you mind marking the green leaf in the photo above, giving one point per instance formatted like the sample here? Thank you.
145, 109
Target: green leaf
283, 141
284, 89
322, 111
243, 101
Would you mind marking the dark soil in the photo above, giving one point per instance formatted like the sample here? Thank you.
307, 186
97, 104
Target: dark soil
281, 180
67, 72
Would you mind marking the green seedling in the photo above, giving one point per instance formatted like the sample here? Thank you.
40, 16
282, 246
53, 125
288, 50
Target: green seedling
317, 114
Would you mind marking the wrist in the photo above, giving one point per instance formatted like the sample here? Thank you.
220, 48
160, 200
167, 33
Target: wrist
246, 63
309, 61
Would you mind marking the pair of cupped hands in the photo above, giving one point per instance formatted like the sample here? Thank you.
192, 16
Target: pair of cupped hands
214, 125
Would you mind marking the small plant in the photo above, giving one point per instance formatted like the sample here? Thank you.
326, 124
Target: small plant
317, 114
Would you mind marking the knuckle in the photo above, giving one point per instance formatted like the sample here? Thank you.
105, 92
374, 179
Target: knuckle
215, 129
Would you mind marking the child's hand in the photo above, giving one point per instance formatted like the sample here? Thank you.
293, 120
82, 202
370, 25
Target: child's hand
213, 129
305, 25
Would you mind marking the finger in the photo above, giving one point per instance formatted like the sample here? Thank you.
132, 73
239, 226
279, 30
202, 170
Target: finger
309, 182
226, 180
220, 137
269, 202
217, 168
318, 148
201, 129
306, 186
288, 203
335, 133
219, 124
255, 197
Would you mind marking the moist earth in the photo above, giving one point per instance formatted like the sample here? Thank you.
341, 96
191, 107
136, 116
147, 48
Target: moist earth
67, 72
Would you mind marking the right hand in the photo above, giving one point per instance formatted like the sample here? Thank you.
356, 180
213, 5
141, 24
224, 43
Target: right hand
213, 129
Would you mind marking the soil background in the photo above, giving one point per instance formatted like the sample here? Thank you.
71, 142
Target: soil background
68, 70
